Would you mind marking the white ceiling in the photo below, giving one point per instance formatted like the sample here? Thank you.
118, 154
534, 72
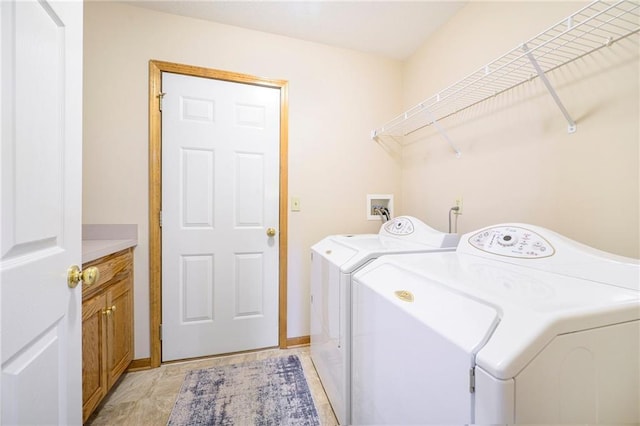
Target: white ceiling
394, 29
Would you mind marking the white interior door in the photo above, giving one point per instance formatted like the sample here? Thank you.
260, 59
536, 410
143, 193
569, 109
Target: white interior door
220, 196
41, 157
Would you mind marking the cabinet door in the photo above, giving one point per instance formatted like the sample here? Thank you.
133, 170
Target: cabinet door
119, 328
94, 377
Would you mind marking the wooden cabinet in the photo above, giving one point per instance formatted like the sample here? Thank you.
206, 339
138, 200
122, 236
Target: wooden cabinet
107, 327
94, 380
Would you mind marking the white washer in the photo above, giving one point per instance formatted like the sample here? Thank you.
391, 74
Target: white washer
518, 325
334, 259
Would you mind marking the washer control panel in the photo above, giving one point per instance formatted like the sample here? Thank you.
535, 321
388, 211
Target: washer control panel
512, 241
401, 225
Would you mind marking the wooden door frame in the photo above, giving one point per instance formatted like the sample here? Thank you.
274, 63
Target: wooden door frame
156, 68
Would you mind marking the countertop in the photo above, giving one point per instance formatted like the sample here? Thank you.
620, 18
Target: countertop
102, 240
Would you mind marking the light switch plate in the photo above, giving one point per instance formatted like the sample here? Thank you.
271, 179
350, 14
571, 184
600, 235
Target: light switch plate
295, 204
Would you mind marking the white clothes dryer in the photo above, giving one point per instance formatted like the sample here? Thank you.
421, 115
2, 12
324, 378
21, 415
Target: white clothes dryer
334, 260
518, 325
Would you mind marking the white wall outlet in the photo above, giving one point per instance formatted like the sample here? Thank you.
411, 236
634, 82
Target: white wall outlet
459, 205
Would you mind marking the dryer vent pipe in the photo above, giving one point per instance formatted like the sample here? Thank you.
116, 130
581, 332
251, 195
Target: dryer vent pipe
454, 210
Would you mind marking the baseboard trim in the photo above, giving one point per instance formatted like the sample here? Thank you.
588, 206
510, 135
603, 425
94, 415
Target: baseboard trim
145, 363
298, 341
140, 364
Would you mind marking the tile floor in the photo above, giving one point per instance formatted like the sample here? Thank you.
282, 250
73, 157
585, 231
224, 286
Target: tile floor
145, 398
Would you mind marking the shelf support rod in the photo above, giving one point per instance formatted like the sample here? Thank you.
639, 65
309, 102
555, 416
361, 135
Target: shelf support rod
572, 124
443, 133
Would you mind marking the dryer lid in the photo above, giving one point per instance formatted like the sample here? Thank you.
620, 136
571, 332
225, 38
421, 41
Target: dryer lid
533, 306
538, 248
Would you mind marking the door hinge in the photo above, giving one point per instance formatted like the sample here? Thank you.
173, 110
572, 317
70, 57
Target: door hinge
160, 218
160, 331
160, 98
472, 380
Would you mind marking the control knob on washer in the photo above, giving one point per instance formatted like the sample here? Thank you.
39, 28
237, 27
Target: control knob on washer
507, 240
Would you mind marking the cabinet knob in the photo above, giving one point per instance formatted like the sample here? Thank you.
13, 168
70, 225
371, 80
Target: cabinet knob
89, 276
109, 311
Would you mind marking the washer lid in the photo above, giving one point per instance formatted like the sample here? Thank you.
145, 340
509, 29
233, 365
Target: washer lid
336, 252
403, 234
408, 228
350, 252
462, 320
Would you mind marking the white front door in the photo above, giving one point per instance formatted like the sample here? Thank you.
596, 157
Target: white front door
41, 158
220, 196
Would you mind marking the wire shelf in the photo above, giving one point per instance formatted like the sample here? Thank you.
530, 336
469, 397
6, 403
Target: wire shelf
599, 24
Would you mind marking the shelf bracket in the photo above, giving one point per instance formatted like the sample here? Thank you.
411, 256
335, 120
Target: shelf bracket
391, 150
571, 128
443, 133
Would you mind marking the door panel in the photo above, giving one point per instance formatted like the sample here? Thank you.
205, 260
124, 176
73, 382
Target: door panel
249, 196
220, 180
198, 188
41, 211
197, 288
249, 297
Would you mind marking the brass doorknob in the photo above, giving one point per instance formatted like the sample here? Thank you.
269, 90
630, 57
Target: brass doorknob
89, 276
271, 232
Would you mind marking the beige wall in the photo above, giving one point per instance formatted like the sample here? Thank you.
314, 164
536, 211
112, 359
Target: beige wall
336, 97
518, 162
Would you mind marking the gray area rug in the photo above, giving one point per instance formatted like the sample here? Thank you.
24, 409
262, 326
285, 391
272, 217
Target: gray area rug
268, 392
